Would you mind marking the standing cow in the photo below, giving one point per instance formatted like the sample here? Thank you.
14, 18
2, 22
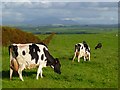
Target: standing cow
82, 50
27, 56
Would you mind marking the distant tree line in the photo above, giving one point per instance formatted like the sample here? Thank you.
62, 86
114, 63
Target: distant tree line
80, 32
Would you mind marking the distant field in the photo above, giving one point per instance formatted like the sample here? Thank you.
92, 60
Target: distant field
100, 72
69, 29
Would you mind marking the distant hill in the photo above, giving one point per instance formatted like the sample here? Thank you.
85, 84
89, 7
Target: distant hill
51, 20
15, 35
42, 21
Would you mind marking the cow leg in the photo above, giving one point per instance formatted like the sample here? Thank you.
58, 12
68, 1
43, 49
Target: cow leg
21, 68
39, 71
11, 68
74, 57
89, 57
11, 72
79, 58
84, 58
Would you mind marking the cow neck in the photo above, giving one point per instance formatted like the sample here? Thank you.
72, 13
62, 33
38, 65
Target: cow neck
50, 59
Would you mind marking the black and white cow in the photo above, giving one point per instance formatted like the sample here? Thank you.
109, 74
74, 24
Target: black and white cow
82, 50
99, 45
27, 56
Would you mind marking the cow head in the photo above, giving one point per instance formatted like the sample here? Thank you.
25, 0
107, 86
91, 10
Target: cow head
57, 66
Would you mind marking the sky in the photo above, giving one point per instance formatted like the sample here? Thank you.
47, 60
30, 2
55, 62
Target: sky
80, 12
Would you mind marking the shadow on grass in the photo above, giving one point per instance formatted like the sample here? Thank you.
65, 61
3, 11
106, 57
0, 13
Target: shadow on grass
6, 74
66, 58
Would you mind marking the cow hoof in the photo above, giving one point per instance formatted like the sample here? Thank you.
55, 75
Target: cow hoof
22, 80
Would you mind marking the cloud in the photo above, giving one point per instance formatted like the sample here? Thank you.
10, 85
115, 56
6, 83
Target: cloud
60, 1
87, 12
73, 19
14, 16
53, 5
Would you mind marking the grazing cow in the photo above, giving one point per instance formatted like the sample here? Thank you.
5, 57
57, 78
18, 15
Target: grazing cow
27, 56
99, 45
82, 50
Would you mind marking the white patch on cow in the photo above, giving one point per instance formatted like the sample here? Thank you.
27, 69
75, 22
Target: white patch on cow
52, 66
87, 55
25, 59
33, 50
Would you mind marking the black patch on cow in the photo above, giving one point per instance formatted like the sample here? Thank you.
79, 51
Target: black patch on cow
14, 50
50, 59
88, 50
33, 52
82, 48
42, 57
75, 47
41, 43
78, 47
23, 52
86, 46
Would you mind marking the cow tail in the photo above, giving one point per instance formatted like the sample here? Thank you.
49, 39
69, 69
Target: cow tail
13, 62
10, 52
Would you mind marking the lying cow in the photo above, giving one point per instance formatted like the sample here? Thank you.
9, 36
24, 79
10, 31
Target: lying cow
82, 50
27, 56
99, 45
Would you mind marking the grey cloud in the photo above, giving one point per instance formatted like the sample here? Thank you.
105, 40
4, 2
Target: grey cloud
79, 11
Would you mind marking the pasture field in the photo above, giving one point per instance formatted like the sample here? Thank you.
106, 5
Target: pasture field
100, 72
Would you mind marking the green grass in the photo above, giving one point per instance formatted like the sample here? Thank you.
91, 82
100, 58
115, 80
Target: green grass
100, 72
70, 29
